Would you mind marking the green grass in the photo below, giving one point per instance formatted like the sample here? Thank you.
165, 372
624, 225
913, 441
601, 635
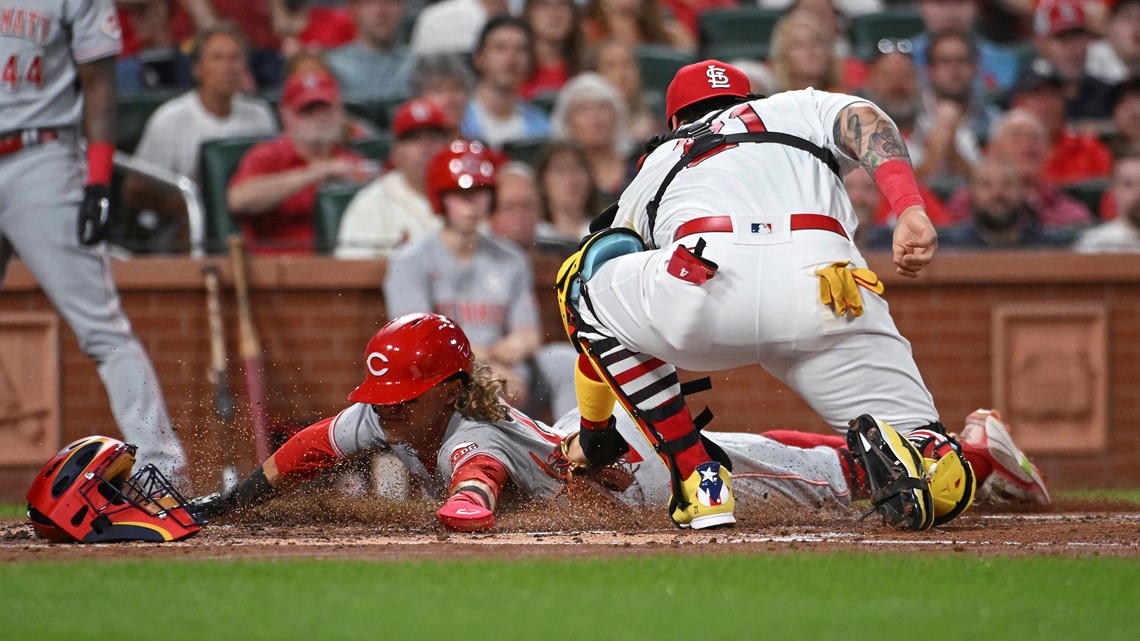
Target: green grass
10, 510
848, 597
1120, 495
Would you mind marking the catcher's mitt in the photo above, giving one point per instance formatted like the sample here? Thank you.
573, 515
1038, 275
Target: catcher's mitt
900, 490
612, 477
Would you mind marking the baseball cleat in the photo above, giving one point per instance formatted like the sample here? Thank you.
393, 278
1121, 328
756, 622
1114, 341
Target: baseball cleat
710, 501
900, 490
1014, 477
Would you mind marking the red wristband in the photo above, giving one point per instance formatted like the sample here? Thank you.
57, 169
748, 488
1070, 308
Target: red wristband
895, 179
100, 161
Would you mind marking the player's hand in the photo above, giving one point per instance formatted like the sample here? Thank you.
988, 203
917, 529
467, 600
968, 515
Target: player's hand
95, 214
465, 512
914, 242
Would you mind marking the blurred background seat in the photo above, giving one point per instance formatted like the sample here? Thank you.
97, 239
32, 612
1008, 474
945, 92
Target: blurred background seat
332, 200
219, 161
745, 32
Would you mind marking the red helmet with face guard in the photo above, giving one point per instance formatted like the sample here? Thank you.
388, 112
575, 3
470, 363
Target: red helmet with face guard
409, 356
87, 494
461, 165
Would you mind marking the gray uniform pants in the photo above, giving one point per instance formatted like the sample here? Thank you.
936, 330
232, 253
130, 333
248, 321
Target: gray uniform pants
40, 192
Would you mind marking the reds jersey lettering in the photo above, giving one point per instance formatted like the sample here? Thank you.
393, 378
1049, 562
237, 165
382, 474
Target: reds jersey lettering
24, 23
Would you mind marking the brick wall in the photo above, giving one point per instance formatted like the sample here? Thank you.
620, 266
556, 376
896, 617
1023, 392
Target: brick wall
314, 316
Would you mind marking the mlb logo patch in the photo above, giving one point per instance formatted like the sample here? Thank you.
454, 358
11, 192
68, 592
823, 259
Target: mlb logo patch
761, 228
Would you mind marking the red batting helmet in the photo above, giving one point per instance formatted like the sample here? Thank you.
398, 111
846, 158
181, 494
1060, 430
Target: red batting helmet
409, 356
86, 494
461, 165
700, 80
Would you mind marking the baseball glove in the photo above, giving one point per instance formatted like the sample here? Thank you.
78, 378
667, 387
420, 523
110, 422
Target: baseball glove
900, 490
612, 477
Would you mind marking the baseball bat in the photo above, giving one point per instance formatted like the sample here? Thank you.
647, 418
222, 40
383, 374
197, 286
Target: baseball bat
223, 400
253, 362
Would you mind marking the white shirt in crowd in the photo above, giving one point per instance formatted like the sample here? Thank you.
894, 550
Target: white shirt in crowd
176, 131
449, 26
383, 215
1115, 236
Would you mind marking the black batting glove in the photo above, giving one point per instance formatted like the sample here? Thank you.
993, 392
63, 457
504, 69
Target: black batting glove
95, 214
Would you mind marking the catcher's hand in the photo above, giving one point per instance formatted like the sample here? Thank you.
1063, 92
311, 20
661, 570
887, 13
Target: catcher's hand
95, 214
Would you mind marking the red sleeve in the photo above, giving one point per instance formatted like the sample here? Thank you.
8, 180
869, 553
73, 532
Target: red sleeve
260, 160
935, 209
308, 453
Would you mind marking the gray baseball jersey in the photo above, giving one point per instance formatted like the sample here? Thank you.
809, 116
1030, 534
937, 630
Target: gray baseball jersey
41, 41
41, 186
489, 296
763, 469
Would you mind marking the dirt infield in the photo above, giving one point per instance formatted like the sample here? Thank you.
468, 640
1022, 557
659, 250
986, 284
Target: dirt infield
402, 531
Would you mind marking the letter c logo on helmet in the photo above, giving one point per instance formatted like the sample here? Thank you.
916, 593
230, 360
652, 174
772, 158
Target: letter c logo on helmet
374, 369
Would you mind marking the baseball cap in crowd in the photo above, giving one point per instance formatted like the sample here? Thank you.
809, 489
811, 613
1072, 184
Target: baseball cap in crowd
1054, 17
701, 80
308, 88
1039, 74
417, 114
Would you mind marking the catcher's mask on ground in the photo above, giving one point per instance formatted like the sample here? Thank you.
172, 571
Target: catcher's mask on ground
409, 356
86, 494
700, 81
461, 166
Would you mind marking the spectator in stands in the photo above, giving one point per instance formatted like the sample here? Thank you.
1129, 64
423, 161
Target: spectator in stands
951, 66
394, 209
1125, 118
150, 59
614, 60
892, 83
453, 26
1121, 234
481, 281
802, 55
1116, 56
274, 191
687, 13
1072, 157
516, 205
175, 132
503, 61
355, 128
635, 22
559, 45
445, 80
304, 26
1063, 39
867, 201
832, 16
998, 67
1000, 214
944, 144
570, 197
253, 17
374, 67
1019, 139
591, 113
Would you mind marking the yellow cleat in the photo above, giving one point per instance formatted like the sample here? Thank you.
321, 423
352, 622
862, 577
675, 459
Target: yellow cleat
710, 500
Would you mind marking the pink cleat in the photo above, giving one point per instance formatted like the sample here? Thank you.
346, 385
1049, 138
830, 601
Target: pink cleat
1014, 478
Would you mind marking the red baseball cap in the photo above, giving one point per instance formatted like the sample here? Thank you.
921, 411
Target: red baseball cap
1058, 16
417, 114
700, 80
311, 87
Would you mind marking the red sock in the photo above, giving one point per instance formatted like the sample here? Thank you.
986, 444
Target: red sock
675, 427
806, 440
979, 461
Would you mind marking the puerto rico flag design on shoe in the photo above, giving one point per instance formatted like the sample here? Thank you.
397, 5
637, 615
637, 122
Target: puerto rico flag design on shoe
711, 491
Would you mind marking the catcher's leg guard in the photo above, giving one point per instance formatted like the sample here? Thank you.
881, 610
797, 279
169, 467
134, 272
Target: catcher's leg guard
596, 250
950, 475
900, 492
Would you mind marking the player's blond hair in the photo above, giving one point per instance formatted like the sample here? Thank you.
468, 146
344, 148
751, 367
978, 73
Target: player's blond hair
481, 395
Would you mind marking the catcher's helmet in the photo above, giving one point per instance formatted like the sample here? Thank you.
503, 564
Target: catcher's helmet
461, 165
409, 356
86, 494
698, 81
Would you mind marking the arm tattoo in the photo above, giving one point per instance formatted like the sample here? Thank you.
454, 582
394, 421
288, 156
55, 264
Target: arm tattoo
863, 131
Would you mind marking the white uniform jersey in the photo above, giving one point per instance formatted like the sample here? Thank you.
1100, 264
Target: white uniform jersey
41, 42
754, 179
763, 468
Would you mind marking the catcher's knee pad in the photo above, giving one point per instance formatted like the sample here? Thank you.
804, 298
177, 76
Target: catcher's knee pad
576, 270
900, 492
950, 477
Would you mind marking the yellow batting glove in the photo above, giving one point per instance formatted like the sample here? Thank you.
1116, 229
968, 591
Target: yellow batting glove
839, 287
